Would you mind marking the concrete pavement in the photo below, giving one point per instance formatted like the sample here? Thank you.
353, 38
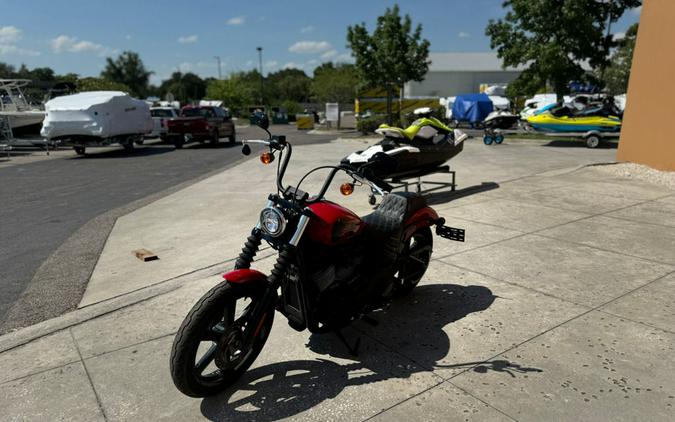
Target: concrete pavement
558, 307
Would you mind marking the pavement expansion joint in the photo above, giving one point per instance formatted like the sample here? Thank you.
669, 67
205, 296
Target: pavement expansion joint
86, 371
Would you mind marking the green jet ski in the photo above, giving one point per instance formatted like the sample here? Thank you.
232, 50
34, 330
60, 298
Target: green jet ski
416, 150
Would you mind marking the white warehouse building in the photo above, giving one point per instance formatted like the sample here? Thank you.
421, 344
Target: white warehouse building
452, 74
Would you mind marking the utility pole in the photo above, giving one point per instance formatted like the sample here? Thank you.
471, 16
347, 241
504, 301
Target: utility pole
220, 69
262, 95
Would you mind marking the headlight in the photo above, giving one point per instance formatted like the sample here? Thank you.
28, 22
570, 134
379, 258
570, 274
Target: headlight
272, 221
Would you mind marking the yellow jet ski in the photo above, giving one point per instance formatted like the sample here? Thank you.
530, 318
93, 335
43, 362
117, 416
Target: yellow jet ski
563, 119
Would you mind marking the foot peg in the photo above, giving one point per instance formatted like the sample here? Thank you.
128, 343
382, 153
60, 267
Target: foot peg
450, 233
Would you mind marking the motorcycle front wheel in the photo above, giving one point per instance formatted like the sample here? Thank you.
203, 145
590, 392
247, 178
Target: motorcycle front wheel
209, 351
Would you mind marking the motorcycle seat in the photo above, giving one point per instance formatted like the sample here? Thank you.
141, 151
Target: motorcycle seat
384, 227
394, 209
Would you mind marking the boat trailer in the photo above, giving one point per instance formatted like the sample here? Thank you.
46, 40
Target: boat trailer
592, 138
414, 179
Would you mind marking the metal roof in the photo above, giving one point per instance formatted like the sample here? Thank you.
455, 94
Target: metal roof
467, 62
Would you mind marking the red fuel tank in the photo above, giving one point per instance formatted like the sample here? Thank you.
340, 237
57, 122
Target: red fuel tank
335, 224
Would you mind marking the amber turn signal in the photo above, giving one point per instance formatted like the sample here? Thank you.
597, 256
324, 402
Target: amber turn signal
266, 157
347, 189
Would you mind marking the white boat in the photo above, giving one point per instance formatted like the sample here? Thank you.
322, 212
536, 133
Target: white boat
97, 118
15, 107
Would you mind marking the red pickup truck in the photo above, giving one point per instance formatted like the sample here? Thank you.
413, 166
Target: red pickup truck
197, 123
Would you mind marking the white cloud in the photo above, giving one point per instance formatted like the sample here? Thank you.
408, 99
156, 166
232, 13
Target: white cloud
9, 34
637, 11
463, 35
185, 67
309, 47
249, 63
67, 44
294, 65
343, 58
619, 36
14, 50
128, 37
312, 62
328, 54
237, 20
307, 29
272, 64
188, 39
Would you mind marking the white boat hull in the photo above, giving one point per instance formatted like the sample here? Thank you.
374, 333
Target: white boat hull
19, 119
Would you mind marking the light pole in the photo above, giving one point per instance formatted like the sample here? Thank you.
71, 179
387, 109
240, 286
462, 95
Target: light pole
262, 95
220, 69
607, 42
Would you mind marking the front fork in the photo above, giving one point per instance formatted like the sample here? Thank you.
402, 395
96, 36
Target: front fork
285, 258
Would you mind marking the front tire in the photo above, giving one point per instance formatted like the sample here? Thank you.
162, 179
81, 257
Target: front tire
213, 320
414, 260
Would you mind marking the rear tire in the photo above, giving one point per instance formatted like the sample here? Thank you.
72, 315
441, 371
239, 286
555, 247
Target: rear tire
593, 141
213, 320
215, 138
232, 138
414, 260
178, 142
79, 150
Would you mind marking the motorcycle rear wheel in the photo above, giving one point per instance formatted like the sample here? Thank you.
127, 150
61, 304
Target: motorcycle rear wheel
209, 352
414, 260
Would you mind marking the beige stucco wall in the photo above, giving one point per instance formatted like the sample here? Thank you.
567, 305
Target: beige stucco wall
648, 132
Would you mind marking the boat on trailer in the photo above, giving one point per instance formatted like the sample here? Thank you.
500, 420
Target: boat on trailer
14, 106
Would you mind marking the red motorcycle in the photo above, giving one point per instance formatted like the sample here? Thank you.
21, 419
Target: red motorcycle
333, 267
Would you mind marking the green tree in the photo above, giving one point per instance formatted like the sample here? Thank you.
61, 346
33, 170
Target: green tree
252, 80
128, 69
617, 73
99, 84
7, 71
38, 74
234, 92
185, 87
68, 77
287, 85
553, 38
334, 83
393, 55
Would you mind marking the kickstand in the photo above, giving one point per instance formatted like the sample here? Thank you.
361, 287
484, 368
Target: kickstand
354, 351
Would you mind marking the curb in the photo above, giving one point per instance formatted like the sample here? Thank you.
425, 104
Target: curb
25, 335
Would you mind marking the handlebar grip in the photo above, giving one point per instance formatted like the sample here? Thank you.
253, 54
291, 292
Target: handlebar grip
381, 183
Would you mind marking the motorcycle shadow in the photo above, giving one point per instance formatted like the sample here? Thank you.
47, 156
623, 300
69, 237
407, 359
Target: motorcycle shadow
414, 324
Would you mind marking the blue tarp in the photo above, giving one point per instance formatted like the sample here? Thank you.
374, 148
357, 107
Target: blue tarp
471, 108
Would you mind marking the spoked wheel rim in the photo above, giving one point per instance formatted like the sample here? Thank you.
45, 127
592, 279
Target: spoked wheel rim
221, 347
415, 258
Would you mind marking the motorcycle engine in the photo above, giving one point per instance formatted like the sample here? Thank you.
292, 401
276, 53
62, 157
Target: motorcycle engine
336, 285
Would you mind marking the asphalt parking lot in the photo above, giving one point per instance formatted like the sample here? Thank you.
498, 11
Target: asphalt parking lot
57, 210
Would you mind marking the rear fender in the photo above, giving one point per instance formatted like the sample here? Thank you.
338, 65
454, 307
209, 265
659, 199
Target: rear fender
245, 276
425, 217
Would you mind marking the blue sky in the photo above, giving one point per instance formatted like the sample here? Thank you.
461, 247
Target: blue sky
77, 35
